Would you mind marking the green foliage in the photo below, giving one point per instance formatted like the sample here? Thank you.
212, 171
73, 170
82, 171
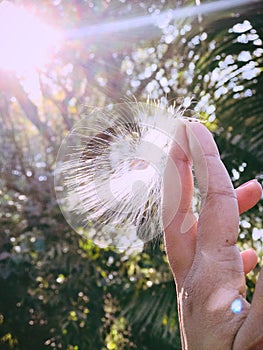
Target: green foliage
58, 290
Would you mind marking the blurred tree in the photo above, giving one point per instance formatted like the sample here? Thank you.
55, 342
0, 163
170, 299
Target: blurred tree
58, 291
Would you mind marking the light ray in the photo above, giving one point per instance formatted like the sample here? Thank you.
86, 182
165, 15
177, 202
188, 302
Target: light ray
155, 20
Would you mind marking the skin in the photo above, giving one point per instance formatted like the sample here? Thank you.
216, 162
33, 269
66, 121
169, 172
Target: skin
209, 270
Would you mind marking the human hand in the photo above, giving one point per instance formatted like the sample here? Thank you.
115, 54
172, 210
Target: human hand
208, 269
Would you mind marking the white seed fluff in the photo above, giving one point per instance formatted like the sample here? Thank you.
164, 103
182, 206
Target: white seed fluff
110, 170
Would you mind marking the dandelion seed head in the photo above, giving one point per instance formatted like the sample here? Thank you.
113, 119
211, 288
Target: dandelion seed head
109, 172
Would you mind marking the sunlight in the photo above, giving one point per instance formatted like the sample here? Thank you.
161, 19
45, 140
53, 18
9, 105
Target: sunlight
26, 42
153, 21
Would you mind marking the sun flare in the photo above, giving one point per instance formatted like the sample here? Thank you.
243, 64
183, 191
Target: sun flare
26, 42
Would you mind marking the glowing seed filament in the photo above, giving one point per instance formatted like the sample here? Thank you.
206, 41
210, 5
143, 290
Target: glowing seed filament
110, 172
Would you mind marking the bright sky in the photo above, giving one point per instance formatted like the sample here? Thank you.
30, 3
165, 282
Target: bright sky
25, 41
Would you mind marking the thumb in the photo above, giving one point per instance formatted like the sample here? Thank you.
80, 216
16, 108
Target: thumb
250, 335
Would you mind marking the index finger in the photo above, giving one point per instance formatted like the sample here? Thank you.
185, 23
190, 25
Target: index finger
178, 219
219, 218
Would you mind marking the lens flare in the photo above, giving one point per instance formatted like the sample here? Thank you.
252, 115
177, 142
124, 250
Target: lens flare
151, 22
237, 306
110, 170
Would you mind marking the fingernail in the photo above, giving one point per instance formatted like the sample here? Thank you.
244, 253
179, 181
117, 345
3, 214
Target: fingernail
248, 183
